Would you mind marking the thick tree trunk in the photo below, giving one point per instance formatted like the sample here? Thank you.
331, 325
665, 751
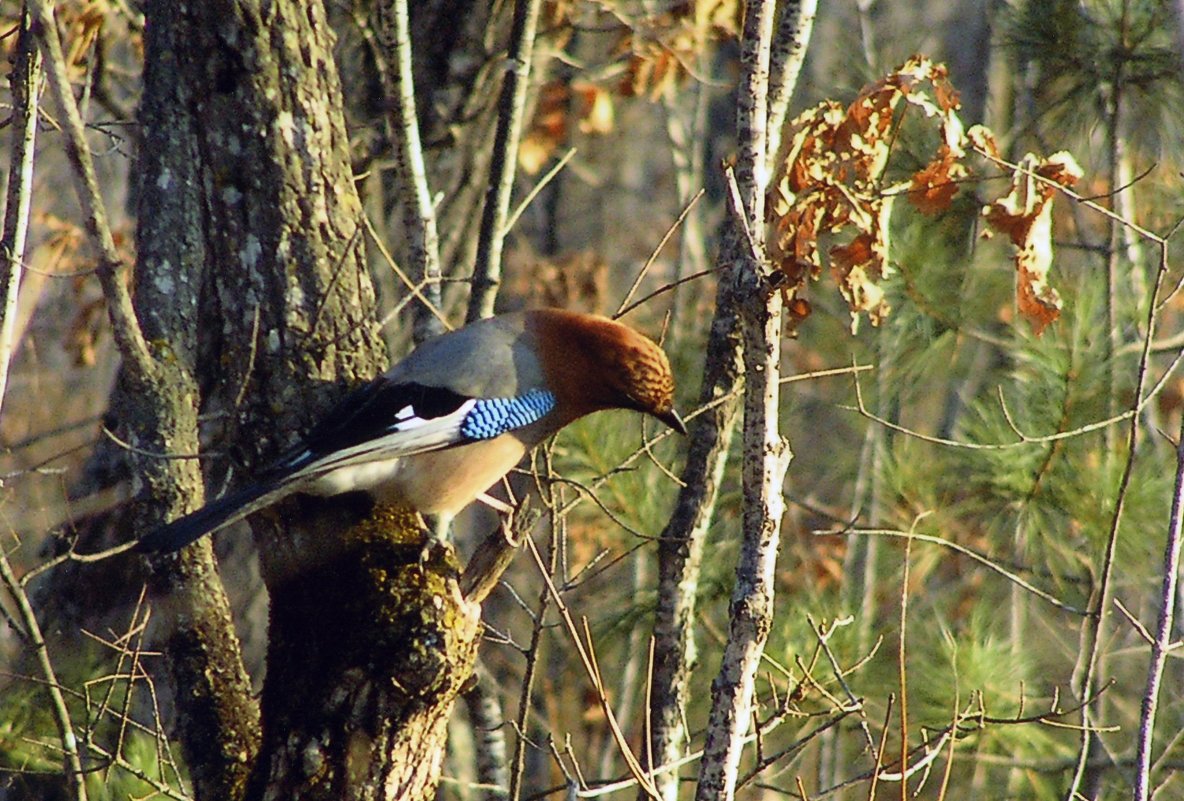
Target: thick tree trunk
218, 720
368, 645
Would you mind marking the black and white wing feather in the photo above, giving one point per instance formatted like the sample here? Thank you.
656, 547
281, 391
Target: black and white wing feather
381, 421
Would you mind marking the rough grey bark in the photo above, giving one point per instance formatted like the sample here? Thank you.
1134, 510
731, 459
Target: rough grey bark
680, 548
359, 683
157, 384
217, 718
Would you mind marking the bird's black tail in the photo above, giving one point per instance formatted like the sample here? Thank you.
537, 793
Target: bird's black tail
213, 516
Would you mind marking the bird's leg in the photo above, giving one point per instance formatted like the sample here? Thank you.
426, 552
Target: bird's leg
496, 505
505, 513
436, 535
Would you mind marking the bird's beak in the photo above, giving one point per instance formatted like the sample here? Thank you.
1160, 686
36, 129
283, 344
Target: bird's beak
672, 419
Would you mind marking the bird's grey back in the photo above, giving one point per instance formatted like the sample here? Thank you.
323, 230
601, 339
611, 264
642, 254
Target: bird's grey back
488, 358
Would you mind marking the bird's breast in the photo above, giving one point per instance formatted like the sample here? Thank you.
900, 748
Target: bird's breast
436, 482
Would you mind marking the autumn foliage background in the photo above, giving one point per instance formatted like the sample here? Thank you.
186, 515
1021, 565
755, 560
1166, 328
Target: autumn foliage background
976, 251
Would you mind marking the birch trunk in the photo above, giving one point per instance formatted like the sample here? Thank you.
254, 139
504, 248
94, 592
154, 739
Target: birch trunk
766, 454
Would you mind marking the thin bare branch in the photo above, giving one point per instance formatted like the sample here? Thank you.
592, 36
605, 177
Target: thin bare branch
72, 760
393, 61
645, 268
584, 649
968, 552
539, 186
1094, 627
26, 90
416, 288
1163, 630
487, 274
125, 327
1022, 439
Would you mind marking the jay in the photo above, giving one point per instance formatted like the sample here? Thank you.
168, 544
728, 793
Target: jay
447, 422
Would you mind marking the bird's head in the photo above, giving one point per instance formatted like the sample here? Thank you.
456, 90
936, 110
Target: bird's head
595, 363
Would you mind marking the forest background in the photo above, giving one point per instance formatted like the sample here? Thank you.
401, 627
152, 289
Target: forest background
965, 585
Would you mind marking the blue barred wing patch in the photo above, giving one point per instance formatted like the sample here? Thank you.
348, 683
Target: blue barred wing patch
492, 417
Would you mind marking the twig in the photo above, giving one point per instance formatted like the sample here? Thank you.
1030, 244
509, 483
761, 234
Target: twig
542, 183
592, 670
945, 779
686, 279
518, 761
168, 457
1022, 438
962, 549
1068, 192
645, 268
512, 108
135, 770
949, 734
871, 790
902, 664
824, 645
624, 784
416, 288
797, 745
1093, 631
705, 407
1136, 624
72, 762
